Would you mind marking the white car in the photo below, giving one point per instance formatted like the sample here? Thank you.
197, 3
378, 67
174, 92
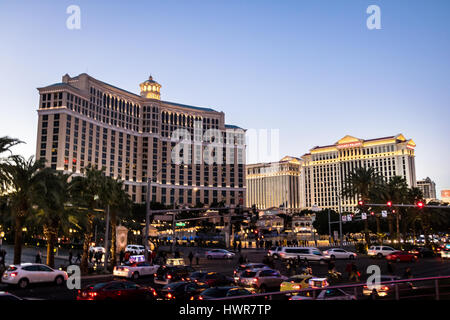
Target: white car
445, 252
338, 253
134, 270
327, 294
26, 273
219, 254
97, 249
135, 249
304, 253
380, 251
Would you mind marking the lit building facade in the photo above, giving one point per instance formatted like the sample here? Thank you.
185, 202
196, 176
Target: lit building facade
275, 184
324, 169
428, 188
84, 121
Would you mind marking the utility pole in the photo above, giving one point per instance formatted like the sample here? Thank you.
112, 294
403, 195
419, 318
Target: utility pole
106, 243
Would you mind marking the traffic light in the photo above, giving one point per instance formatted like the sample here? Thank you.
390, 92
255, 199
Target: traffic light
420, 204
372, 213
361, 203
389, 204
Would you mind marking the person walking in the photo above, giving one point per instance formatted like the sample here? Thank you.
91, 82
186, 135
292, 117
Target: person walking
197, 258
190, 256
38, 257
354, 272
78, 259
70, 257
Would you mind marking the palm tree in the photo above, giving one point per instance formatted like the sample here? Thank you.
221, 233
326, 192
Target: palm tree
119, 202
88, 195
52, 214
395, 190
360, 183
20, 179
6, 143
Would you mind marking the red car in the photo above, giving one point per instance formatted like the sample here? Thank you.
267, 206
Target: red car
116, 290
402, 256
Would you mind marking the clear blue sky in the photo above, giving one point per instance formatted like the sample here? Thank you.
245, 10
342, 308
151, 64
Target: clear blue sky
309, 68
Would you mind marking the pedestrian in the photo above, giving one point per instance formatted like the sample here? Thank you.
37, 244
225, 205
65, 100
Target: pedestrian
355, 273
190, 256
121, 256
70, 257
78, 259
197, 258
38, 257
407, 274
348, 269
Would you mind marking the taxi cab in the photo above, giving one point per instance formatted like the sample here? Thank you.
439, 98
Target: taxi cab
135, 268
296, 282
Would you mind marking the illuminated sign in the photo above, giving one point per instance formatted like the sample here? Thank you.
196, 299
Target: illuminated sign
139, 258
349, 145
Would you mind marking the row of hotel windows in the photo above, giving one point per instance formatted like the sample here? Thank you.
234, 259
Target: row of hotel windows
354, 152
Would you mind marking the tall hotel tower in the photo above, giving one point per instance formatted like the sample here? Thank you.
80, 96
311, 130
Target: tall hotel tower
325, 168
84, 121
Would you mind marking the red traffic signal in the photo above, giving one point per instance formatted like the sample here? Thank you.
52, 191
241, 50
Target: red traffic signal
420, 204
372, 213
360, 202
389, 203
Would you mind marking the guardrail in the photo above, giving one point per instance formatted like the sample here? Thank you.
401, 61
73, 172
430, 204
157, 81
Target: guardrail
438, 285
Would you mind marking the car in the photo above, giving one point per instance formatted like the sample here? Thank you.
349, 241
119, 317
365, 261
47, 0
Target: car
183, 290
338, 253
445, 252
135, 270
248, 266
380, 251
296, 282
135, 249
274, 252
327, 294
26, 273
175, 262
222, 292
422, 252
6, 296
261, 279
97, 249
211, 279
303, 253
116, 290
385, 289
168, 274
401, 256
219, 254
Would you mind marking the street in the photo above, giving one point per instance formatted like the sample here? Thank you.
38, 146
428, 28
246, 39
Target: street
425, 267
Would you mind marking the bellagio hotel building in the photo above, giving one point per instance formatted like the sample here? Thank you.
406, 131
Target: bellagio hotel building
84, 121
325, 168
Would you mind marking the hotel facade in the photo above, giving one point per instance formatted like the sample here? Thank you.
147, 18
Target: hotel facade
275, 184
324, 169
428, 188
84, 121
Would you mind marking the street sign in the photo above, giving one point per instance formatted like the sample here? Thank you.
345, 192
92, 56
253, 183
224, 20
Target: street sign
384, 213
357, 210
180, 224
344, 218
349, 217
163, 218
363, 215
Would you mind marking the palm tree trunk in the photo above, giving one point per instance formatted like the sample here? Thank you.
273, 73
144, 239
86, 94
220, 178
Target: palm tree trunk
391, 227
18, 240
398, 227
50, 235
377, 218
113, 238
84, 267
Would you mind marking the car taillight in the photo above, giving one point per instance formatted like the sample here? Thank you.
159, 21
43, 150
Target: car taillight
92, 294
281, 254
255, 279
192, 298
13, 274
385, 288
200, 298
169, 295
169, 276
154, 274
296, 287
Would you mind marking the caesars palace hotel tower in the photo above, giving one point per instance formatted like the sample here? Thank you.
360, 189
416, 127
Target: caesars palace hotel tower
84, 121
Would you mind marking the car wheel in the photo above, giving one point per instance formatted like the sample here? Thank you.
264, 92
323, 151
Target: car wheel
59, 280
23, 283
351, 257
275, 256
379, 256
135, 275
225, 257
209, 257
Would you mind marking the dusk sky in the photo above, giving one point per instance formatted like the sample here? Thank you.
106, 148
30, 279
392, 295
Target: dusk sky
311, 69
